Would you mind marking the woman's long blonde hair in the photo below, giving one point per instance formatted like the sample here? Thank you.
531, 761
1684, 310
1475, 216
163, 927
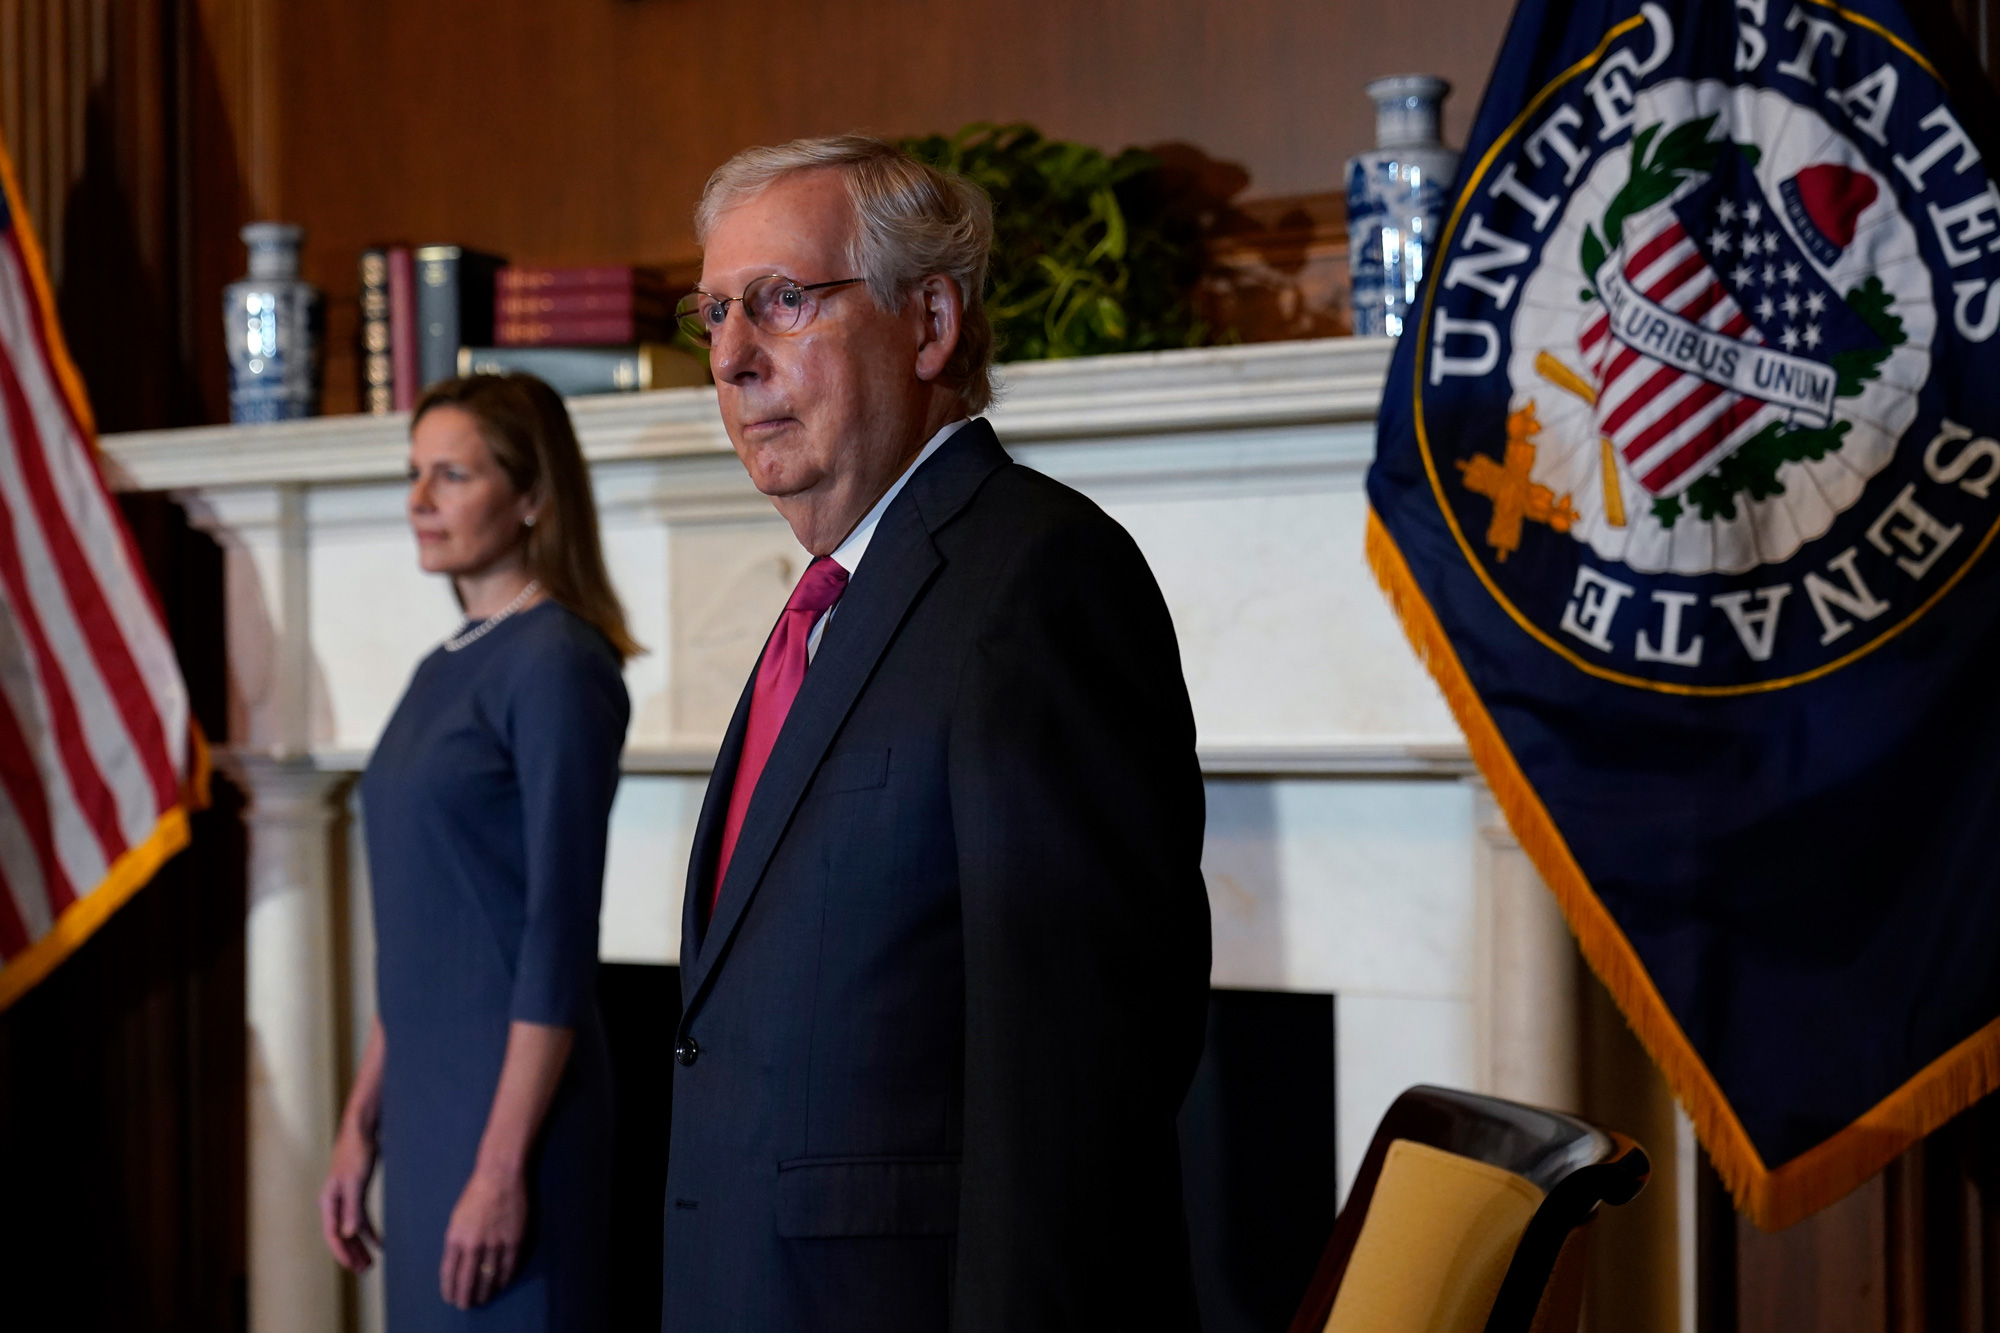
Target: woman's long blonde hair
525, 424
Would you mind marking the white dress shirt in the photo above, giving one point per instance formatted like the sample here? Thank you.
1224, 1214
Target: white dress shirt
848, 554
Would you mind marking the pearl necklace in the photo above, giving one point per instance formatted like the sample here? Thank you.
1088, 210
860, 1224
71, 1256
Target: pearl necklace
474, 633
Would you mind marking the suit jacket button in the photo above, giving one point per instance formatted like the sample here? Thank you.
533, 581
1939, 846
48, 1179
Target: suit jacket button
686, 1051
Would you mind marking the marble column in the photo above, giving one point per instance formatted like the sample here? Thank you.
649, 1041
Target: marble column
1526, 973
295, 1287
293, 971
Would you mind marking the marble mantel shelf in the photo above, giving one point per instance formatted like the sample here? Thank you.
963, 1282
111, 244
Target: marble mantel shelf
1285, 420
1325, 381
1333, 757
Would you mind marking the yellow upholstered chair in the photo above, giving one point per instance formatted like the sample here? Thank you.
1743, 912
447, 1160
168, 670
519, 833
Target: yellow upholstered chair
1468, 1216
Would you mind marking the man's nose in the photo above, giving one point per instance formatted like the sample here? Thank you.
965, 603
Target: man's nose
733, 349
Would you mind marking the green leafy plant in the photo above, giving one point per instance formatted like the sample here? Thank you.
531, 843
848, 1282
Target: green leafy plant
1088, 255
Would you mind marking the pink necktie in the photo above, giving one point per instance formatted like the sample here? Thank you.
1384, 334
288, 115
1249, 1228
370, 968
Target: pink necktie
779, 676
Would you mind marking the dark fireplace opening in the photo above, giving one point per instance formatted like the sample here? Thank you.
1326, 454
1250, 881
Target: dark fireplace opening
1257, 1157
642, 1007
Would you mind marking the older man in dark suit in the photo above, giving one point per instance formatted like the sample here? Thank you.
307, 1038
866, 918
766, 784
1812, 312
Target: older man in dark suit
945, 950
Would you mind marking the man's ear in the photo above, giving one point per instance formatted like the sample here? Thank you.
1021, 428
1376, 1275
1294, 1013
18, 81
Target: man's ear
937, 302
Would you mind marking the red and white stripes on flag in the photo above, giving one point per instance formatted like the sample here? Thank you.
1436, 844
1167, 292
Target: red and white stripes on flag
99, 764
1669, 427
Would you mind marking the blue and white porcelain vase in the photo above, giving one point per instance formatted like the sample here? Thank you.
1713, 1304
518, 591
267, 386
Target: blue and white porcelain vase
273, 324
1395, 201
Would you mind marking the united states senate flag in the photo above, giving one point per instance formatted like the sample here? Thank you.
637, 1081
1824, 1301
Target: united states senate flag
99, 764
1686, 490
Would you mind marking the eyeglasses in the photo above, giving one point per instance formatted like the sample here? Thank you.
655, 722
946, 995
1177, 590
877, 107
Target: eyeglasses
775, 304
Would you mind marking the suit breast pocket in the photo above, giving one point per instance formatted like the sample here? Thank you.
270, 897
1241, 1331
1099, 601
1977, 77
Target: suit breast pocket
852, 770
867, 1196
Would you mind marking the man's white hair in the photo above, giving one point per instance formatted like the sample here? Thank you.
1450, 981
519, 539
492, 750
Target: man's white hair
912, 221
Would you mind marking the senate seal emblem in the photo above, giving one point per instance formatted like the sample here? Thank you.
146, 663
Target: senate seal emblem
1706, 376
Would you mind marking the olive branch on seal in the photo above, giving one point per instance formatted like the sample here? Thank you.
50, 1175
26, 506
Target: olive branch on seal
1660, 165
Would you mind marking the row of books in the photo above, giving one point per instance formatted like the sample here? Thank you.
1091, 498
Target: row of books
582, 307
431, 312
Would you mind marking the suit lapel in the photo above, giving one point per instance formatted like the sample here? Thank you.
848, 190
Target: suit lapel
901, 561
708, 827
870, 610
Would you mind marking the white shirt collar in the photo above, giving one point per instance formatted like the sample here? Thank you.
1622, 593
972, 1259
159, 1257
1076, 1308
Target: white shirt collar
848, 554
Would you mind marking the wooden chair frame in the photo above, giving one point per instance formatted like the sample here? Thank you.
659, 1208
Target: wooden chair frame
1576, 1165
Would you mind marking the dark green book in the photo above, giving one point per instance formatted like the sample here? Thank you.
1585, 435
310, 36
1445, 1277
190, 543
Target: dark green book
575, 371
454, 306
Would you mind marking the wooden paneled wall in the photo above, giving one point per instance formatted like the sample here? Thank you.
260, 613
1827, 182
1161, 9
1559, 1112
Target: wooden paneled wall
56, 56
86, 88
573, 131
144, 133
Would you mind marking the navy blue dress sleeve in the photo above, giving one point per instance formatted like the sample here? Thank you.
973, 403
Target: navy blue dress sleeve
566, 715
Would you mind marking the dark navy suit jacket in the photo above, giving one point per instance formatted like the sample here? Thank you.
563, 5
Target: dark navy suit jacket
937, 1033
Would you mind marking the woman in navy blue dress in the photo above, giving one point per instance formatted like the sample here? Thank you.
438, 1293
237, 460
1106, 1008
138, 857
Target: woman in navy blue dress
485, 1087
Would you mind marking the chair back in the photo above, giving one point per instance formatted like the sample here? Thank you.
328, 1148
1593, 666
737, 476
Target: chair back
1465, 1216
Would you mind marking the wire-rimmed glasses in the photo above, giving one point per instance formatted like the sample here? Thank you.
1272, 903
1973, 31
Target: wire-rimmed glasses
774, 303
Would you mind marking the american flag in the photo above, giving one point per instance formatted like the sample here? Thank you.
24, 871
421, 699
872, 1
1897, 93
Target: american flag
99, 763
1720, 260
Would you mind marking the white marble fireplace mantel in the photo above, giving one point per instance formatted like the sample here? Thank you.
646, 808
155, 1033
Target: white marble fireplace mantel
1350, 848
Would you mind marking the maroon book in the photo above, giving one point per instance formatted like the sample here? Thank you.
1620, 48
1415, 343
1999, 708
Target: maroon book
581, 331
562, 303
518, 280
408, 381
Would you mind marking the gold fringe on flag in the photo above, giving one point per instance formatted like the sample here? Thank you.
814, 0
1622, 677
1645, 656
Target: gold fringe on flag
1773, 1199
80, 920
